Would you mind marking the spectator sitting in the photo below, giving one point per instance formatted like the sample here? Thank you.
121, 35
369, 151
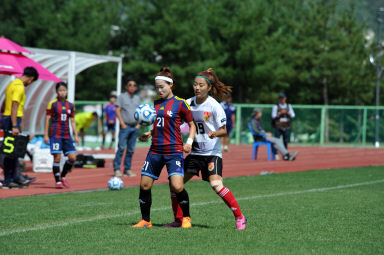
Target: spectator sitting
261, 135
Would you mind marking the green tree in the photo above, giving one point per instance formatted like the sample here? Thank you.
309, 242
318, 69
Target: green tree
314, 50
75, 25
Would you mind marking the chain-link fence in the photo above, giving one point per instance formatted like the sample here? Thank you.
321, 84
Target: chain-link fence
312, 125
316, 124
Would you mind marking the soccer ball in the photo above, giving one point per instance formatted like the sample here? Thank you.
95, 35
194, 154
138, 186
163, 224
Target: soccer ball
115, 183
145, 114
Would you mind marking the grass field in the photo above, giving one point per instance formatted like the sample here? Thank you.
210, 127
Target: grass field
315, 212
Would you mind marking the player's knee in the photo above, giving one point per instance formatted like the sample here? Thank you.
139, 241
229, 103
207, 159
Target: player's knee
177, 187
56, 158
145, 186
217, 185
72, 158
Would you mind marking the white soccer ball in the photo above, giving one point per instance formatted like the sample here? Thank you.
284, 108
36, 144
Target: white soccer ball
145, 114
115, 183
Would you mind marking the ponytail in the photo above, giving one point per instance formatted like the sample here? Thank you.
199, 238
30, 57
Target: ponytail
219, 89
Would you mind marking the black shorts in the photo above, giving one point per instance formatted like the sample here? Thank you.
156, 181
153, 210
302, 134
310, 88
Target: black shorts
208, 165
110, 127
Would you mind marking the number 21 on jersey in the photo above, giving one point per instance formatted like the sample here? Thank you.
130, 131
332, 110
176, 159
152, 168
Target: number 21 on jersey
160, 121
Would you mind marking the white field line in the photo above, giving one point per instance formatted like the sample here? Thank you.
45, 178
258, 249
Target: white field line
103, 217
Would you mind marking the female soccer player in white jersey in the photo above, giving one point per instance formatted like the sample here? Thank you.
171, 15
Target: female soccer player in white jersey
206, 156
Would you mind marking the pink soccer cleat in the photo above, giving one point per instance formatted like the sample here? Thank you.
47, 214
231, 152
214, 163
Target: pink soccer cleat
240, 223
59, 185
65, 182
175, 224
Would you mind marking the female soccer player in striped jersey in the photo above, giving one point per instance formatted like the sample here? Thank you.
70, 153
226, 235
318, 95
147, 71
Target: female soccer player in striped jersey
167, 148
206, 155
60, 111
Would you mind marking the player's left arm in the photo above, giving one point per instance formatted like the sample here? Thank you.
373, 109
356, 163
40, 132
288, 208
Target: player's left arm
221, 121
218, 133
74, 127
192, 132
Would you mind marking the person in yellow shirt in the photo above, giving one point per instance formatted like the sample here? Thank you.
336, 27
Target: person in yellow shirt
12, 119
83, 121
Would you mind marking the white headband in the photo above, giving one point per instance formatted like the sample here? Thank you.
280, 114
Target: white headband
164, 78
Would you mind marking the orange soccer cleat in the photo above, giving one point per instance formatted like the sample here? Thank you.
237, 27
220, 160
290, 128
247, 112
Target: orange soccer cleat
143, 224
186, 222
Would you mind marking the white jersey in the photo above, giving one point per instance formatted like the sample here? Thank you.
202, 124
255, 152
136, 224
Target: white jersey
208, 116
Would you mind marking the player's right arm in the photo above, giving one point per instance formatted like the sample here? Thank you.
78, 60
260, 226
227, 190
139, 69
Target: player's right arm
47, 120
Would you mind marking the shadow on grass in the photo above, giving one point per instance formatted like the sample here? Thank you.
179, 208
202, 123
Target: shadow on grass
159, 225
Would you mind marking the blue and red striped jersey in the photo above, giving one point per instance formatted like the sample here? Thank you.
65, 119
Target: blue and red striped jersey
60, 113
166, 134
110, 112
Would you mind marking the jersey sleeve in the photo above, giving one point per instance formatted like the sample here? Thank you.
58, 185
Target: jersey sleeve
72, 115
185, 111
17, 94
219, 116
49, 110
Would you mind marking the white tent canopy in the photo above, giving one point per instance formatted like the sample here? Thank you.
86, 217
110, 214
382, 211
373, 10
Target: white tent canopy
65, 65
